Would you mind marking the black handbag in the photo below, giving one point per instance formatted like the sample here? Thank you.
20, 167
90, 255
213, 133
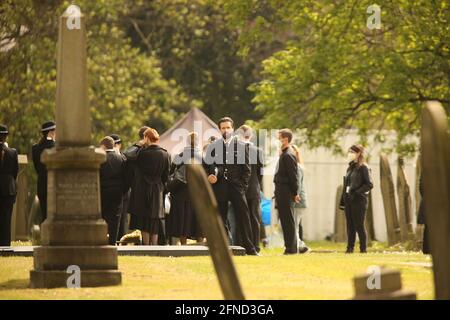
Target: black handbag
132, 152
177, 179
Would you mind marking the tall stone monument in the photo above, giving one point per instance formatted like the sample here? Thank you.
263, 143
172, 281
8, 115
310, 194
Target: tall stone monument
404, 205
388, 193
435, 145
74, 234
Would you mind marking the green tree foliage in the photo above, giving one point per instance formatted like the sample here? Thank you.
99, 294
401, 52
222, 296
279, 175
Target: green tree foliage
126, 88
198, 48
334, 72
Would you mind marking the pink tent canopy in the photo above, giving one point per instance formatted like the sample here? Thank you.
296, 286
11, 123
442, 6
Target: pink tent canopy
174, 139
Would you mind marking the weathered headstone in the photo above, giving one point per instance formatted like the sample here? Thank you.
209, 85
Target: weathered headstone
381, 284
74, 234
388, 193
207, 212
419, 227
19, 224
340, 224
404, 204
435, 147
370, 226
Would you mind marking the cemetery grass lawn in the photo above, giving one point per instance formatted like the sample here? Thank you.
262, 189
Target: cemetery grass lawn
271, 276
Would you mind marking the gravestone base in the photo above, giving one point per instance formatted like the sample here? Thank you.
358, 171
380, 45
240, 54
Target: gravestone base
88, 278
390, 287
85, 257
74, 234
67, 232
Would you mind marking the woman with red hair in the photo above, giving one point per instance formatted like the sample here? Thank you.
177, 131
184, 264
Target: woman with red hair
153, 164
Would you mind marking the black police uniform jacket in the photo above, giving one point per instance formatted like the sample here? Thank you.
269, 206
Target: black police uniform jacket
9, 168
41, 169
230, 163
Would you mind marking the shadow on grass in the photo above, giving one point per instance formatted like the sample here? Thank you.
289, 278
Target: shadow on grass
15, 284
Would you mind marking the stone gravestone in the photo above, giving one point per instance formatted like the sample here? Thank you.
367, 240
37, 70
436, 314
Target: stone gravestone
388, 193
370, 226
19, 223
419, 227
340, 225
404, 204
381, 284
207, 212
435, 147
74, 236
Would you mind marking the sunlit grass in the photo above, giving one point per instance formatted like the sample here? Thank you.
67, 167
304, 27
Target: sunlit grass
271, 276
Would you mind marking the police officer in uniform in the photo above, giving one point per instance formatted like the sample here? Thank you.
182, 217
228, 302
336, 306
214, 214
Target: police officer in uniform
228, 169
9, 167
47, 141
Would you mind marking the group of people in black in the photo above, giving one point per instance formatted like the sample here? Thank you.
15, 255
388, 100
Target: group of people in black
136, 182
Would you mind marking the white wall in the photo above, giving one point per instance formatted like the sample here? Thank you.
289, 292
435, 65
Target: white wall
324, 172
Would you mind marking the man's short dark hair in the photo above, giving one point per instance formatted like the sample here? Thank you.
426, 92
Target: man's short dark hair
245, 131
286, 133
225, 119
141, 132
108, 142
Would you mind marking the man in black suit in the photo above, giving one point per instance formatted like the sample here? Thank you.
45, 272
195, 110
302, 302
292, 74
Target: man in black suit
256, 160
123, 224
286, 190
9, 168
228, 169
111, 187
47, 141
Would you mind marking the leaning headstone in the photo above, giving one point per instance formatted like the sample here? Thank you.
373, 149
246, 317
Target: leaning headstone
419, 227
74, 236
435, 147
370, 226
381, 284
388, 193
19, 224
340, 225
207, 212
404, 204
34, 217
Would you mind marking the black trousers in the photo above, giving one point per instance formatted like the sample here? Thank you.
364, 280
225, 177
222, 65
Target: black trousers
112, 211
283, 201
242, 214
6, 208
426, 242
255, 220
300, 229
42, 196
123, 224
355, 214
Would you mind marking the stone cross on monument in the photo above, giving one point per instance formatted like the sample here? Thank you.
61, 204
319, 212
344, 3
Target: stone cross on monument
74, 234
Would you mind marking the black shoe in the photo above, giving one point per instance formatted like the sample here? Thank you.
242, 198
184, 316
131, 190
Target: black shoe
289, 252
349, 251
363, 251
304, 250
253, 253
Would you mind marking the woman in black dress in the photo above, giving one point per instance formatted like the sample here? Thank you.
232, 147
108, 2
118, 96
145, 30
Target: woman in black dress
153, 164
357, 185
182, 219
